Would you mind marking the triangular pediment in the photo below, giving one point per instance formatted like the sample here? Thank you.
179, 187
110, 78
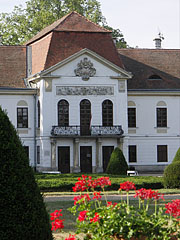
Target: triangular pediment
120, 73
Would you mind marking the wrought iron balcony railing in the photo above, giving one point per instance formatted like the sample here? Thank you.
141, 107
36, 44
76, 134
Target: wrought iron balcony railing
84, 131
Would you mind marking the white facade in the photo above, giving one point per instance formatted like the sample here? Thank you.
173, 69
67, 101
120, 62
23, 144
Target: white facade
108, 83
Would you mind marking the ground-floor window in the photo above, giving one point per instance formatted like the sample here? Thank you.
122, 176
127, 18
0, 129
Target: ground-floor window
132, 153
26, 149
38, 154
162, 153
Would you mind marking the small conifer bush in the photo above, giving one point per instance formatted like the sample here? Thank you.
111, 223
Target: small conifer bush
117, 163
172, 173
22, 210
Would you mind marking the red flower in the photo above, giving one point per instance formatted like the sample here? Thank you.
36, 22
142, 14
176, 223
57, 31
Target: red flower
57, 224
82, 216
97, 195
103, 181
173, 208
148, 194
110, 204
56, 214
71, 237
81, 185
127, 186
96, 218
86, 197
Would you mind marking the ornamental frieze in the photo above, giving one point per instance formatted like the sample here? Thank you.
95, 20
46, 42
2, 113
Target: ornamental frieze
88, 90
85, 69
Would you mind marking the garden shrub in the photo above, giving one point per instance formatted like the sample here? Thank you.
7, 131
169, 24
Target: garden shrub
172, 175
177, 156
22, 210
117, 163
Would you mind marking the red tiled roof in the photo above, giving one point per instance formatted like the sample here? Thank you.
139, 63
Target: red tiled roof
143, 67
12, 66
65, 44
72, 22
166, 60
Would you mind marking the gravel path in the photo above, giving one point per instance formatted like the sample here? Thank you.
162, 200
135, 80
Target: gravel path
109, 197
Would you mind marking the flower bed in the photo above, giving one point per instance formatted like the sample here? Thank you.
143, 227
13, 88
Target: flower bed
120, 220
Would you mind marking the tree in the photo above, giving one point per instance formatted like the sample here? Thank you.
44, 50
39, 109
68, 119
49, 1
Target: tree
22, 24
22, 210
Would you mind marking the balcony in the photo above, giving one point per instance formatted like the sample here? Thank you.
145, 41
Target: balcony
72, 131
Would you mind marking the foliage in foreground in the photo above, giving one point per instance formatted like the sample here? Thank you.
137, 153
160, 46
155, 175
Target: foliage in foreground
172, 173
120, 220
22, 211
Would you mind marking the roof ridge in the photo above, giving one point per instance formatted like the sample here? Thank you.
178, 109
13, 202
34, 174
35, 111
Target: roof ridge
88, 20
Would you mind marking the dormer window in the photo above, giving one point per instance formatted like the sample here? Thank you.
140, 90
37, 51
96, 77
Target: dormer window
154, 77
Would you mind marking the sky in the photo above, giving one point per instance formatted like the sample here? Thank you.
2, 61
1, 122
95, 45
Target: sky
140, 21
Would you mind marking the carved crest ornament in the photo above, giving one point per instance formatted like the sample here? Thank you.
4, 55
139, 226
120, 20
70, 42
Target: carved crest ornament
85, 69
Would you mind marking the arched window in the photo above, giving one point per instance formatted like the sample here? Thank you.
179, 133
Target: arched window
85, 117
107, 113
22, 114
63, 113
154, 77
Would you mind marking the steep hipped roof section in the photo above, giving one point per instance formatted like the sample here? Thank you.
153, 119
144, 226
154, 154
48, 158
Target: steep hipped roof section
65, 44
67, 36
72, 22
12, 66
146, 77
166, 60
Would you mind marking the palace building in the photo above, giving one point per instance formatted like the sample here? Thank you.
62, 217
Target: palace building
73, 97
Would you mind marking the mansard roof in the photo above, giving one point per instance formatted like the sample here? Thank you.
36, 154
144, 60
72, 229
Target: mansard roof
12, 66
144, 63
68, 36
72, 22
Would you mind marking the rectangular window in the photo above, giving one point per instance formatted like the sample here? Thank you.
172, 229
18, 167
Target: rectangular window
26, 149
131, 117
132, 153
38, 154
162, 153
161, 117
22, 117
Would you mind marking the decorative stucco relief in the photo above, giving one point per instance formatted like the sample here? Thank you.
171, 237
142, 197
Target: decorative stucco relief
85, 69
88, 90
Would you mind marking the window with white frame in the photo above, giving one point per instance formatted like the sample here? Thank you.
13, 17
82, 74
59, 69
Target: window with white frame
22, 114
161, 114
131, 114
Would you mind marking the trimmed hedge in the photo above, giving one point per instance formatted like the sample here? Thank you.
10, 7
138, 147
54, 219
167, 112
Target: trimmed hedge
65, 182
117, 163
172, 175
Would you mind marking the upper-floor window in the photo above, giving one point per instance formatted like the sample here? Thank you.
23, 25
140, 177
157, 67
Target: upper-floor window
63, 113
162, 155
161, 114
85, 117
107, 113
131, 114
22, 114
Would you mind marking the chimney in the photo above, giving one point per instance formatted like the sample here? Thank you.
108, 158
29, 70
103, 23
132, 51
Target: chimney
158, 41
